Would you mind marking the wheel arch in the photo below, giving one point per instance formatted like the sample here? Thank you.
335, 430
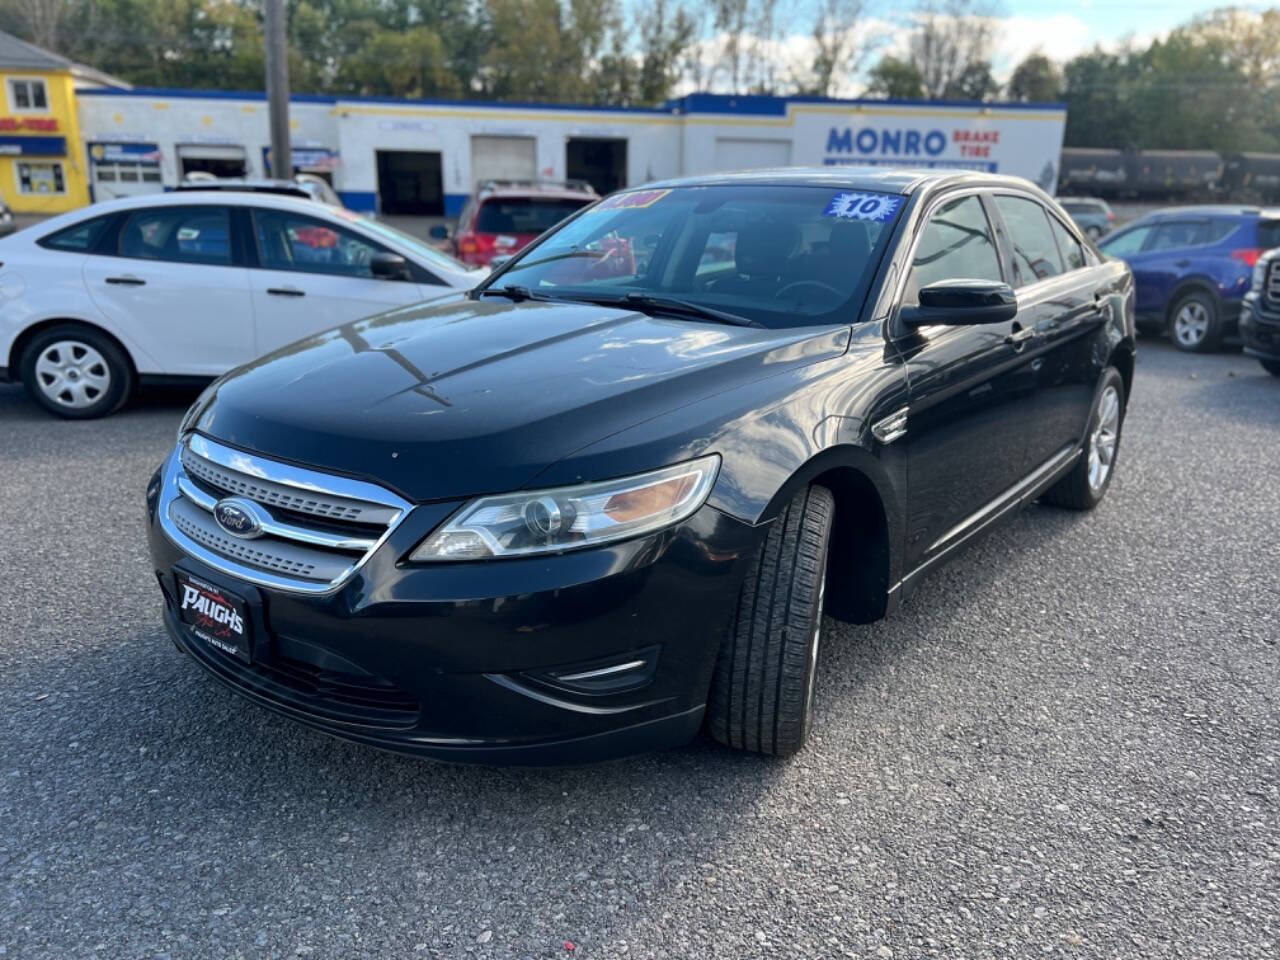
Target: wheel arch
1191, 285
21, 341
864, 555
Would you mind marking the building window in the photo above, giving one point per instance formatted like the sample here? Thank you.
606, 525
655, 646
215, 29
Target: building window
41, 178
28, 95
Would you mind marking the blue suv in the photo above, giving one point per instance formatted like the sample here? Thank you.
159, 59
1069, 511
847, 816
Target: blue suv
1191, 267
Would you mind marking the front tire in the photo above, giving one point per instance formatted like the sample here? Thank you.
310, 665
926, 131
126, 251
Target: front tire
1087, 483
1194, 325
1271, 366
762, 690
76, 372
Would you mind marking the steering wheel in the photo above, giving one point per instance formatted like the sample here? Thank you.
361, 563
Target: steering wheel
836, 294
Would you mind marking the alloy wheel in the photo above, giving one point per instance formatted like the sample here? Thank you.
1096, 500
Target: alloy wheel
72, 374
1191, 323
1103, 438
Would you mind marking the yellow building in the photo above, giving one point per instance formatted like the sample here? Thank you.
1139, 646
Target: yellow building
42, 163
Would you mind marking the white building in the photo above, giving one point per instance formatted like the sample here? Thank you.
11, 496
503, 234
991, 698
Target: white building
423, 157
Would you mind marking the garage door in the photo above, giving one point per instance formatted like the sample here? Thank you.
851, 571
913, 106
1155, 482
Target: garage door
503, 158
733, 154
221, 161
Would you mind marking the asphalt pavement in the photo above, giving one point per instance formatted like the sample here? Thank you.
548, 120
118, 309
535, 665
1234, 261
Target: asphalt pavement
1064, 745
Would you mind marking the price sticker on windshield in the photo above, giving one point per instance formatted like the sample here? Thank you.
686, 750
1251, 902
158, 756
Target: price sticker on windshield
862, 205
635, 200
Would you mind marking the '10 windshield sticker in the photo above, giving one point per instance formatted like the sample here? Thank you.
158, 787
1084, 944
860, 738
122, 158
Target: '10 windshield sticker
635, 200
863, 206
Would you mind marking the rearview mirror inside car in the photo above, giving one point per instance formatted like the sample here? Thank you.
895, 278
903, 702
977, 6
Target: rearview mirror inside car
961, 303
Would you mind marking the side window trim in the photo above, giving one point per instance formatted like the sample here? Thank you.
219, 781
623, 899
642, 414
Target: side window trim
893, 324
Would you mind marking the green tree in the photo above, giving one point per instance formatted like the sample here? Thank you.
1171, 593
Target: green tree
895, 79
1035, 80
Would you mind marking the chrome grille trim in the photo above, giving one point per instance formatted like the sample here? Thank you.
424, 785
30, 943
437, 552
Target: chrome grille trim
290, 555
279, 485
1272, 286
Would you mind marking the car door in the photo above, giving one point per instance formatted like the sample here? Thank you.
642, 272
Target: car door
969, 388
1061, 304
173, 278
1167, 258
309, 274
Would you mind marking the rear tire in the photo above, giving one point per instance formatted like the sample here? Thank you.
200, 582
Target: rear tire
1087, 483
762, 690
1271, 366
1194, 325
76, 372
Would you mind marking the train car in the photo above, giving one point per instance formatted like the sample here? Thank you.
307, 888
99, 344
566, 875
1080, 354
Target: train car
1183, 174
1094, 172
1252, 177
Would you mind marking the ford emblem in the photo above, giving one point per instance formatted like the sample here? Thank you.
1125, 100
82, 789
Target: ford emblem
238, 517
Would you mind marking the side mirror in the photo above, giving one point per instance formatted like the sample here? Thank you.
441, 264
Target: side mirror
962, 303
390, 266
438, 232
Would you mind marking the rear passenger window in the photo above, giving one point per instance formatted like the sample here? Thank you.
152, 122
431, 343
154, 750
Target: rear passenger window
1068, 245
1035, 251
197, 234
1178, 233
80, 237
956, 245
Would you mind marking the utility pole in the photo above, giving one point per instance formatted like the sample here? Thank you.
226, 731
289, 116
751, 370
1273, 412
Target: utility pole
278, 90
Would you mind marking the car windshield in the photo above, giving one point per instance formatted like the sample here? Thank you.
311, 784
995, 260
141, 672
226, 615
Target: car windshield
420, 249
525, 214
777, 256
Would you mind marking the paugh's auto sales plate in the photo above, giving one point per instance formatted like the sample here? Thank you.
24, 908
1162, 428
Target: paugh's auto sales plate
216, 616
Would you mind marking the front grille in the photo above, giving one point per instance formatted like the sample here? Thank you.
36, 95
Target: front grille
1271, 288
345, 696
317, 528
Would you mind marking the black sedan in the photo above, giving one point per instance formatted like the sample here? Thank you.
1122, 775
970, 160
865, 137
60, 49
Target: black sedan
605, 498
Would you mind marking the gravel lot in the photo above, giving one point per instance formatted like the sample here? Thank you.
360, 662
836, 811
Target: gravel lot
1066, 744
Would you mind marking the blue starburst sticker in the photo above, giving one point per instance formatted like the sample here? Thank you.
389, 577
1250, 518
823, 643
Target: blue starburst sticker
863, 205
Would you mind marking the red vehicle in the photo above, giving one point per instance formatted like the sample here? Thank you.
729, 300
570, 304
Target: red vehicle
504, 216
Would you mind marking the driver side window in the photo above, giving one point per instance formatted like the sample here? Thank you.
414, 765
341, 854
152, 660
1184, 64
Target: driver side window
957, 244
288, 241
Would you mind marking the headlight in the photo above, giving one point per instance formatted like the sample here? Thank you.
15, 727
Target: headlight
1259, 274
563, 518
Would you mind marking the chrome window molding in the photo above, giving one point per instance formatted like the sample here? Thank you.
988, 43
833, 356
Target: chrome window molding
178, 488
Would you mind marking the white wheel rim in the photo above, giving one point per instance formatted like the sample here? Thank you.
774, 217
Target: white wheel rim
1103, 438
1191, 323
72, 374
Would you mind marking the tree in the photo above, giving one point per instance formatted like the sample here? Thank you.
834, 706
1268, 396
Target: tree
840, 45
952, 38
1035, 80
895, 79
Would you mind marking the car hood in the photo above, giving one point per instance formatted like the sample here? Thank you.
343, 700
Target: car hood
464, 397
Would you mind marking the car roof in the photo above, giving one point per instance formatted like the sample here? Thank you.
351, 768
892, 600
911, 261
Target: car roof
1213, 210
278, 201
904, 179
286, 187
554, 189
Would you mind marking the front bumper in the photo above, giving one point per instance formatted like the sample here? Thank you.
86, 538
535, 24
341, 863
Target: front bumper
465, 661
1260, 328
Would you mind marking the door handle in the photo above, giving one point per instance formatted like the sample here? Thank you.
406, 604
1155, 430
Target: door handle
286, 292
1182, 263
1019, 335
128, 280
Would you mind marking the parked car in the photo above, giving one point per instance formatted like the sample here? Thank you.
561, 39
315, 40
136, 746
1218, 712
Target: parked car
1260, 315
505, 216
1090, 214
1192, 266
609, 494
188, 285
7, 224
307, 186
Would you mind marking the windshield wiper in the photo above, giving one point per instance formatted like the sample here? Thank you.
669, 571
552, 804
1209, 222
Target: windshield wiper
642, 301
512, 291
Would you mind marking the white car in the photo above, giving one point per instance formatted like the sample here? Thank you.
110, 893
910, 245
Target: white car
189, 285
